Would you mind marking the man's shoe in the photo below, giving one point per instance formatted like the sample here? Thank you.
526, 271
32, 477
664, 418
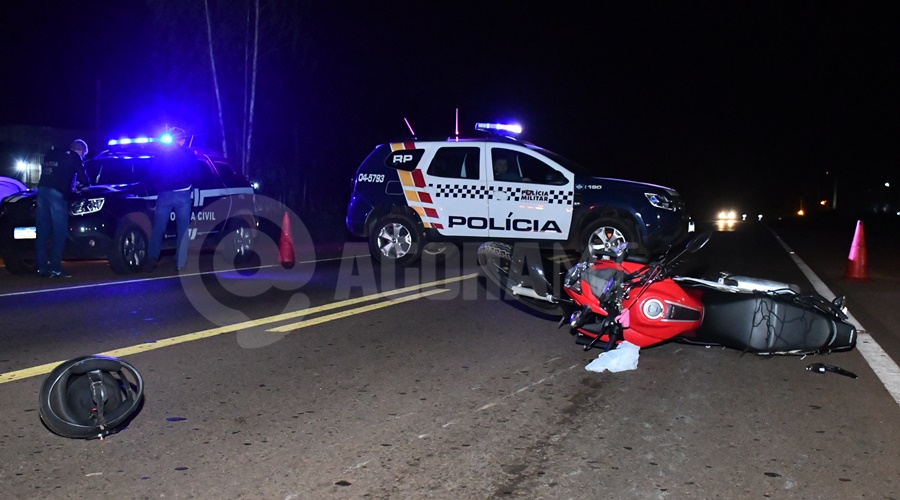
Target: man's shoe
60, 274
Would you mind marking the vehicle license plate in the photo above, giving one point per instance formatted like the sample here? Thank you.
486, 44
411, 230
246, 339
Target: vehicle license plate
25, 233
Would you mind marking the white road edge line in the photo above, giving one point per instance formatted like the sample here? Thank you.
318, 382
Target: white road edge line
154, 278
884, 367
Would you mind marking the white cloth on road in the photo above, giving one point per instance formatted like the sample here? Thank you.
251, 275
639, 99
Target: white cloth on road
623, 357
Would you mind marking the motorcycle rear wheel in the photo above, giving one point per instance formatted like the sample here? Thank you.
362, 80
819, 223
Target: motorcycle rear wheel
496, 259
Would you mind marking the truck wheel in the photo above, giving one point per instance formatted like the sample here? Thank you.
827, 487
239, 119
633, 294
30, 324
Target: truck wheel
129, 249
396, 239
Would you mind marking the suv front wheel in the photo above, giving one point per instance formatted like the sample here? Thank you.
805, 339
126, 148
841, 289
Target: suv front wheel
129, 249
396, 239
606, 234
18, 262
238, 242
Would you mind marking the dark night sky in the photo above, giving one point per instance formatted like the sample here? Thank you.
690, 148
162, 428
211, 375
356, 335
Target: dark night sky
725, 101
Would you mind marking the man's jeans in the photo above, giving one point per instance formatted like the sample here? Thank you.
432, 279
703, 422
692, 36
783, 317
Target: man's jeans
53, 227
166, 203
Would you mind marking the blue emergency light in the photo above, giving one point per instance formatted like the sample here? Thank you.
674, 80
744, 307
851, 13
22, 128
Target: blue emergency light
166, 138
129, 140
499, 128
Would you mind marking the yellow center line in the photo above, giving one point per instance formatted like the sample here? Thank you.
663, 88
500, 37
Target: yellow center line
212, 332
344, 314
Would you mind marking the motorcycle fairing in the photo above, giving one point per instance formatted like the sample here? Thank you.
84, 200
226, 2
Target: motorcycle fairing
665, 308
596, 283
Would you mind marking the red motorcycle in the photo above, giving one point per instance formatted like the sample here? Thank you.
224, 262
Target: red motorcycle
607, 298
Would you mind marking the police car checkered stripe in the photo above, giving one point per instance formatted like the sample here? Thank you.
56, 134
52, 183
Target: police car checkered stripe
560, 197
463, 191
549, 196
460, 191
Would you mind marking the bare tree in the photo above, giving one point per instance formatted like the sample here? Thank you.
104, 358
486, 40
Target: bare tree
250, 96
215, 78
266, 26
243, 44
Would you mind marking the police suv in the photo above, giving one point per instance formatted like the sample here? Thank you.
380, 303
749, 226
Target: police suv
112, 219
409, 194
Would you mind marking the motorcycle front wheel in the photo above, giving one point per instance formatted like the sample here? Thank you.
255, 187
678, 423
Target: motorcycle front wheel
506, 271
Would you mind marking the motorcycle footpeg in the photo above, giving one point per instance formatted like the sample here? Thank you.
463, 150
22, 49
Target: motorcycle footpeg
586, 342
589, 343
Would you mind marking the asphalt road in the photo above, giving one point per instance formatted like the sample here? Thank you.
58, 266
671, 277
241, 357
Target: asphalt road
335, 379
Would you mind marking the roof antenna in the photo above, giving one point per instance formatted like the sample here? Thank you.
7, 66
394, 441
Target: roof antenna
409, 127
457, 124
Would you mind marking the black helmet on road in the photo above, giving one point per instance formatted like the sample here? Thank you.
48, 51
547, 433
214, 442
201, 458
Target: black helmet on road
90, 397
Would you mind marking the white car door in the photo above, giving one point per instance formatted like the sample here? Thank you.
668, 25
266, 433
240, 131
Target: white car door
531, 195
455, 188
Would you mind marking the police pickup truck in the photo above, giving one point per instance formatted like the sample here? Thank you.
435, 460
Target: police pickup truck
412, 193
112, 219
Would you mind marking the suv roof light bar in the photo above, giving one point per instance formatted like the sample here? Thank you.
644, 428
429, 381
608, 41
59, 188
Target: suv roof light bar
130, 140
499, 128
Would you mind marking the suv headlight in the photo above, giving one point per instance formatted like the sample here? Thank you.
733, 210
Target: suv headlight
87, 206
662, 201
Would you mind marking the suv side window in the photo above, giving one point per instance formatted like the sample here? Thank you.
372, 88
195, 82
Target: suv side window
228, 175
456, 163
204, 176
116, 170
513, 166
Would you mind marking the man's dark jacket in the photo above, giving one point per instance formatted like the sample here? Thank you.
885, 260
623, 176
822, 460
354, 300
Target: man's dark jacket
173, 169
59, 169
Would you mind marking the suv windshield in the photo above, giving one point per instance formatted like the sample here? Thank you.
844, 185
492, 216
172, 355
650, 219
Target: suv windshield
562, 160
116, 170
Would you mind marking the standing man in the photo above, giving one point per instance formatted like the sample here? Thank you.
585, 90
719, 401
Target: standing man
58, 175
171, 176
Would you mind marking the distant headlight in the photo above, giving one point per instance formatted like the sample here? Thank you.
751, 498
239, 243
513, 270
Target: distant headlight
728, 215
88, 206
660, 201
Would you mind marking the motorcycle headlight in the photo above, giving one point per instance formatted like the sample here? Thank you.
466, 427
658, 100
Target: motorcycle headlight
573, 277
86, 206
662, 201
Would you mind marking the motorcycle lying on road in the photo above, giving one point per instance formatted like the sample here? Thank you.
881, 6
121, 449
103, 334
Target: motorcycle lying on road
607, 298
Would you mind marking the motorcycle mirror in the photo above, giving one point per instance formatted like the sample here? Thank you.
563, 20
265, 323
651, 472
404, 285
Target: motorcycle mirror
698, 242
692, 246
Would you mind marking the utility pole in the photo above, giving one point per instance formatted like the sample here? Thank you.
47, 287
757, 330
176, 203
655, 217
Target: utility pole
97, 110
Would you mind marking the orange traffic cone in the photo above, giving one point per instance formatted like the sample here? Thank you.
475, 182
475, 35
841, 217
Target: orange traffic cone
856, 265
286, 244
